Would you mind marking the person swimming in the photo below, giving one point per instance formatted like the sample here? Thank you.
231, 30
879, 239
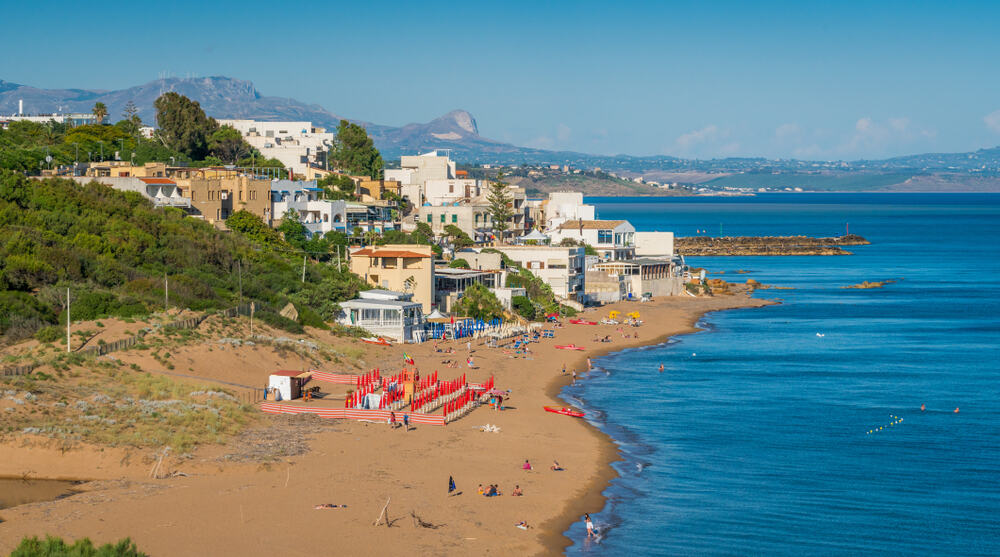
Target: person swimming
923, 407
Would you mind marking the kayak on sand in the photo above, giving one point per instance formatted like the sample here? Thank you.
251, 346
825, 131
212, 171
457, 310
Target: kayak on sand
564, 411
569, 347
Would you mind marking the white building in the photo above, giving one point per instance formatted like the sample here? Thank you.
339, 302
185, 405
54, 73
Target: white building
654, 244
295, 144
565, 206
385, 313
614, 240
562, 268
319, 216
163, 192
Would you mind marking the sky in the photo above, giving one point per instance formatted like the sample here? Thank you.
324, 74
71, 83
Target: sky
781, 79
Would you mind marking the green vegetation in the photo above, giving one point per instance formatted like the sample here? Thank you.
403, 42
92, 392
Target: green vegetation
538, 292
458, 236
423, 235
479, 303
113, 249
56, 547
354, 151
184, 126
459, 264
337, 186
523, 306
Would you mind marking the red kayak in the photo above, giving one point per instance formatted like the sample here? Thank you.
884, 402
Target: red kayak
564, 411
569, 347
379, 341
582, 322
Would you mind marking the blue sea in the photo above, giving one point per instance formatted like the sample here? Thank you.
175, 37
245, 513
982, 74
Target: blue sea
755, 440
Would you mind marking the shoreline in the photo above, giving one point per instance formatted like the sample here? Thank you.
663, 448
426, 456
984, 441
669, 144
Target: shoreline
554, 536
249, 507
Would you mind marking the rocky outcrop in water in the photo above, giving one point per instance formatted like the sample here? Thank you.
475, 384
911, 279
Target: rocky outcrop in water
766, 245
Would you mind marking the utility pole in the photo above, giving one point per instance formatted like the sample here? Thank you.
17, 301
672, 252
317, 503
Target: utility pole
67, 321
303, 269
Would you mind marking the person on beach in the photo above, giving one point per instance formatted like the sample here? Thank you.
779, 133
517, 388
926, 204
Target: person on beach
590, 526
481, 491
468, 346
406, 422
564, 369
555, 466
574, 377
526, 465
589, 366
517, 491
392, 420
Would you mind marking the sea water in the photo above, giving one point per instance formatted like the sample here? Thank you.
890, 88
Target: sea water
755, 439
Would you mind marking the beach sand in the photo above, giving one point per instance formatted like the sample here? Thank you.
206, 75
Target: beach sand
232, 506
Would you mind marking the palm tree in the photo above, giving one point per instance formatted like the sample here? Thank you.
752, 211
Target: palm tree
100, 112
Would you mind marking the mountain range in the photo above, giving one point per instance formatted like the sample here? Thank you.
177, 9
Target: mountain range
226, 97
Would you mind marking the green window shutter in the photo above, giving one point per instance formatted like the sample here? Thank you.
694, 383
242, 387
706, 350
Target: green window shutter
454, 218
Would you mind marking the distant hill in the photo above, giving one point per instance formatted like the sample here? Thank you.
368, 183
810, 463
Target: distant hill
226, 97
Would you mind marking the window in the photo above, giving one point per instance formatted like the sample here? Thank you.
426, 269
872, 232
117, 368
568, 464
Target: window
618, 238
430, 219
451, 188
454, 218
604, 236
477, 219
442, 218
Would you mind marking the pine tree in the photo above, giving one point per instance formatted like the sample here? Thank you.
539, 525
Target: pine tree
500, 202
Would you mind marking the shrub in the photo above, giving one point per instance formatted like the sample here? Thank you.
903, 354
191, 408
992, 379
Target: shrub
279, 321
523, 306
56, 547
459, 264
51, 333
308, 317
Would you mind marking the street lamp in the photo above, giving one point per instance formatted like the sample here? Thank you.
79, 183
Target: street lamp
76, 159
121, 140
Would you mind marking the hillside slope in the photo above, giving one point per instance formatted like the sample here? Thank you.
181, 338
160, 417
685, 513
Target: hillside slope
113, 250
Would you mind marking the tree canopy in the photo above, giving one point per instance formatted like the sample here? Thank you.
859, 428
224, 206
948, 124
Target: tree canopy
479, 303
183, 125
354, 151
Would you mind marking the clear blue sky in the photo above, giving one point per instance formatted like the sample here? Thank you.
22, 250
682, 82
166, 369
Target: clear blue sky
802, 79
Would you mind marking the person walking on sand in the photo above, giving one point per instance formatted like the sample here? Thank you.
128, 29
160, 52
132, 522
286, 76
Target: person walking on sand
590, 526
406, 422
468, 346
589, 366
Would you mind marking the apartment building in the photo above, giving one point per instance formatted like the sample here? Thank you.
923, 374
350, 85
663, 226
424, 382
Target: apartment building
562, 268
217, 193
405, 268
298, 145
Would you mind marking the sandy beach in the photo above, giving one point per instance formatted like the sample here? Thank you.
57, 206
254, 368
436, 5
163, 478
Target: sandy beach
217, 501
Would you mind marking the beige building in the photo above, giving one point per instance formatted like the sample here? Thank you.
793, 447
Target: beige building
405, 268
372, 190
216, 194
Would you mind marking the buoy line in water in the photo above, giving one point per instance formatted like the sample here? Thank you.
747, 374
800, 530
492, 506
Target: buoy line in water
895, 420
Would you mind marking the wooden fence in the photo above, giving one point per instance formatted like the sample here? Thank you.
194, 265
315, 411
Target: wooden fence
9, 371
